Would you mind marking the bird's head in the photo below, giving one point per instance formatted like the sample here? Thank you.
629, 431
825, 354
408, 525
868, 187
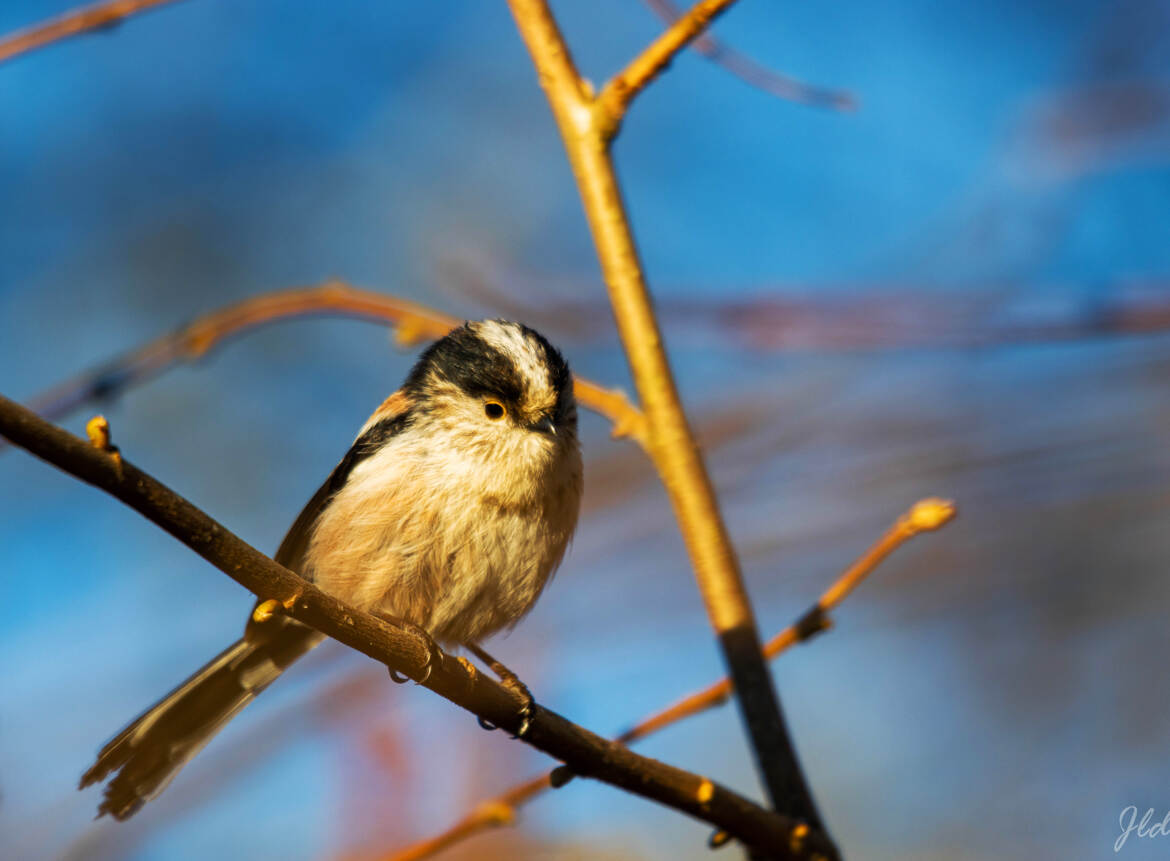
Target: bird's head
498, 384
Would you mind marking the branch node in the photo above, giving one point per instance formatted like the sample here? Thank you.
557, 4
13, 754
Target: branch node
812, 623
718, 839
609, 109
799, 835
705, 792
560, 776
199, 339
98, 431
265, 610
495, 813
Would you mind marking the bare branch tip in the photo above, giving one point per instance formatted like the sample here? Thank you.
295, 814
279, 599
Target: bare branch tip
929, 514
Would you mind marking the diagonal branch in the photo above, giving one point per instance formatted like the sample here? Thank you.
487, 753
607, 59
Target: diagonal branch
413, 323
587, 128
926, 515
73, 23
757, 75
615, 96
582, 751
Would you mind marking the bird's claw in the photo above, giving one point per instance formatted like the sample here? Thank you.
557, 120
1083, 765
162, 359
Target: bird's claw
525, 719
435, 655
486, 724
510, 681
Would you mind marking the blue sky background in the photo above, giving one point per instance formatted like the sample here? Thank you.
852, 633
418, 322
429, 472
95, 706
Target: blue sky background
997, 691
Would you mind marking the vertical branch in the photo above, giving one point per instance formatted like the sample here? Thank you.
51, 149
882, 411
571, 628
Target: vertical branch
587, 125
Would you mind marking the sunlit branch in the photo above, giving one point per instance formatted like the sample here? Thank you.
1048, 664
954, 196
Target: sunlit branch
755, 74
924, 516
588, 125
73, 23
413, 323
585, 753
616, 96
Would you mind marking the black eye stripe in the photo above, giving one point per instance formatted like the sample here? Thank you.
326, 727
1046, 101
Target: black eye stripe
482, 370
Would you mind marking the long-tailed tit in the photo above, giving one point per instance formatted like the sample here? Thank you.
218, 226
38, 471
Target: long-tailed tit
450, 511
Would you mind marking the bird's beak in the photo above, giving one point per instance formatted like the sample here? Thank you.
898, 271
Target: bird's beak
544, 425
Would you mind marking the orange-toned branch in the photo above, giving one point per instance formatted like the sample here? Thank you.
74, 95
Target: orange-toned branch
73, 23
413, 322
615, 96
588, 125
756, 75
399, 648
926, 515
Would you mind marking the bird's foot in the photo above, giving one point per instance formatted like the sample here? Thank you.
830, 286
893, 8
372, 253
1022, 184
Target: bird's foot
512, 682
435, 655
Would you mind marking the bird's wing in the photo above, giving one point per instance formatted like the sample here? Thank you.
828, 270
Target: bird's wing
387, 421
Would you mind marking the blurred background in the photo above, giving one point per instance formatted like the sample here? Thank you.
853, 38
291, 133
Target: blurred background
957, 289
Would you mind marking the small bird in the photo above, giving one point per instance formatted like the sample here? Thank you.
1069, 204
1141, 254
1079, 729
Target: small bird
450, 512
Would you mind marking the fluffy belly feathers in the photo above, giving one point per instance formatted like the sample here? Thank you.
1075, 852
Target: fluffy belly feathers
460, 565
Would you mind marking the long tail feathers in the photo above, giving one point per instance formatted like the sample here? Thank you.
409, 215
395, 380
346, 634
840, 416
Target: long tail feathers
149, 752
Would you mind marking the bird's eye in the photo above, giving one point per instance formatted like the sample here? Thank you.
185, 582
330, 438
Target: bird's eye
494, 410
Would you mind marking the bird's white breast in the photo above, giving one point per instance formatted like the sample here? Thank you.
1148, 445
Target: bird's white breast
461, 545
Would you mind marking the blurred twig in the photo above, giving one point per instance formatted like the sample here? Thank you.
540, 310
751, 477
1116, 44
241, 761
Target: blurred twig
755, 74
839, 317
73, 23
582, 751
588, 124
926, 515
413, 322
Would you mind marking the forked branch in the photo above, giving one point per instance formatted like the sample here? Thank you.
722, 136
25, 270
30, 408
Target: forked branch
588, 125
615, 96
759, 76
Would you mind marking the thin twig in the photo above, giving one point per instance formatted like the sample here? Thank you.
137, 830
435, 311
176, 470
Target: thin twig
924, 516
413, 323
73, 23
582, 751
757, 75
587, 129
616, 96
